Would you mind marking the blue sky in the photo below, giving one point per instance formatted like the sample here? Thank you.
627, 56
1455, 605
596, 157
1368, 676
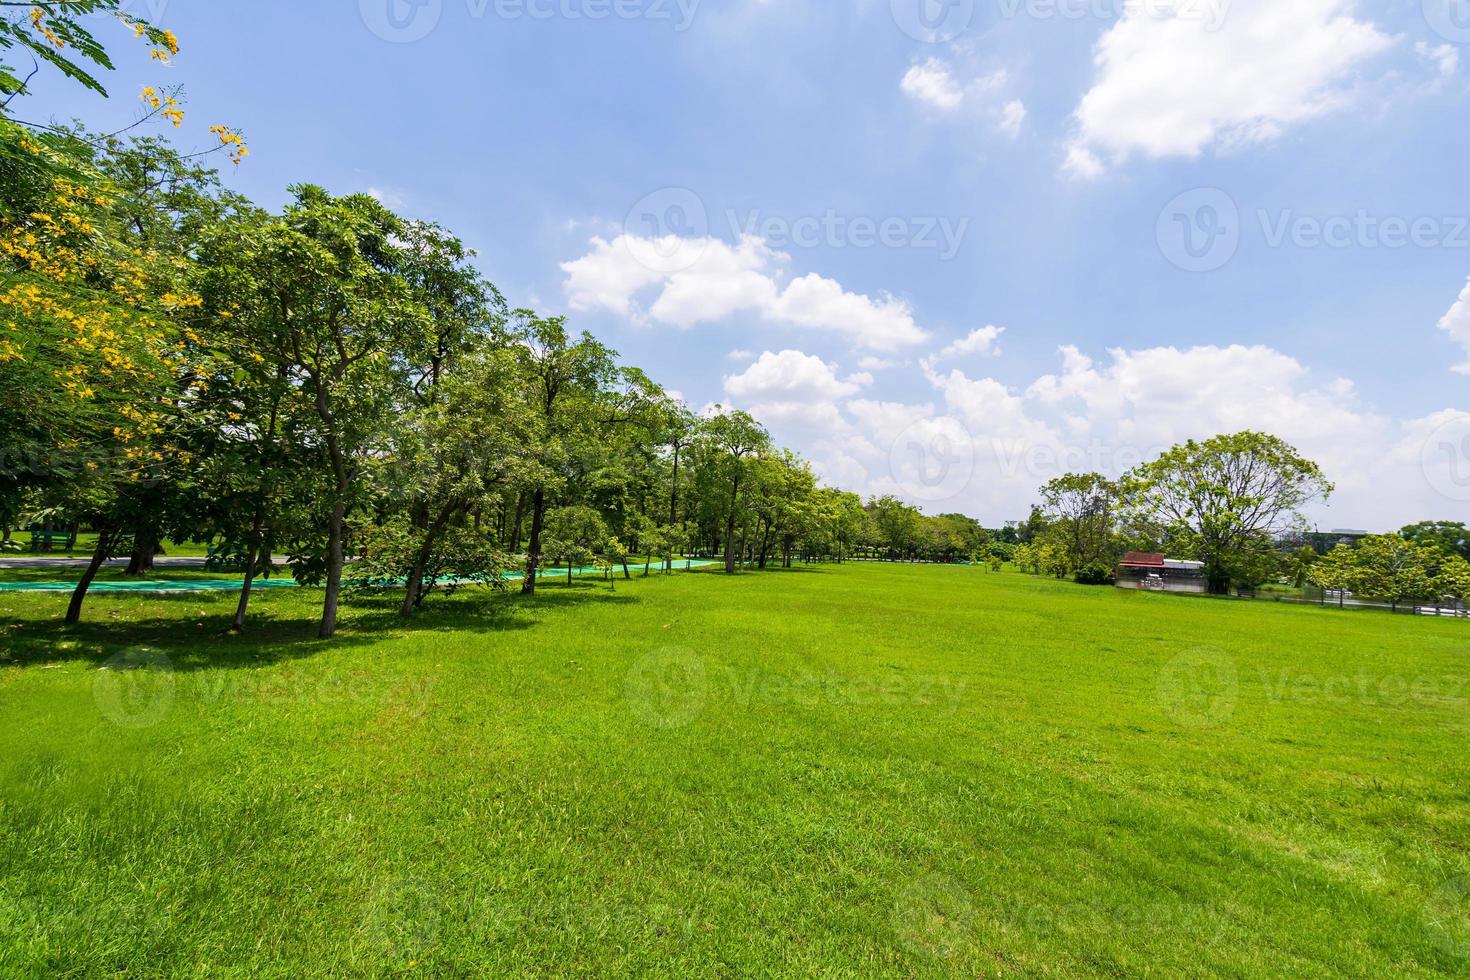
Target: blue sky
946, 261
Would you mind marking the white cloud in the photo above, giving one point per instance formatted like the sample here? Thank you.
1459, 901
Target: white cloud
1456, 323
932, 84
795, 388
608, 277
1012, 115
789, 374
885, 323
871, 363
980, 341
1445, 58
1114, 413
714, 280
1168, 84
935, 84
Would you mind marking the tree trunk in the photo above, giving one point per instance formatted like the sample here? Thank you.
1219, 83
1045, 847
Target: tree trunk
145, 545
730, 543
251, 560
334, 571
626, 574
238, 623
104, 543
414, 587
533, 551
515, 526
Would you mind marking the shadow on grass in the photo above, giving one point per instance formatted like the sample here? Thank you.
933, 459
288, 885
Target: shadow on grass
278, 629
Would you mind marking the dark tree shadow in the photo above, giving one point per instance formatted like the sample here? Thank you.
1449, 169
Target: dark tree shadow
198, 637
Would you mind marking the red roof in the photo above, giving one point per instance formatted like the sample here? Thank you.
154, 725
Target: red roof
1143, 559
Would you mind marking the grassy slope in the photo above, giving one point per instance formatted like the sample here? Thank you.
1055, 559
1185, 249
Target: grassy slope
875, 769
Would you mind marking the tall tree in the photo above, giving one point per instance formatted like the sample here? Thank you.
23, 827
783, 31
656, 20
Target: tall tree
734, 439
1221, 500
328, 295
1079, 509
565, 382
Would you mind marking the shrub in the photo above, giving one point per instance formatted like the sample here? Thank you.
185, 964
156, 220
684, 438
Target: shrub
1095, 574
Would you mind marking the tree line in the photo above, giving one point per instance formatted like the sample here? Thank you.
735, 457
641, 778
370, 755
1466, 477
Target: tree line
1233, 502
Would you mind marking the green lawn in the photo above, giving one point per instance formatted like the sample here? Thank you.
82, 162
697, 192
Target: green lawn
866, 770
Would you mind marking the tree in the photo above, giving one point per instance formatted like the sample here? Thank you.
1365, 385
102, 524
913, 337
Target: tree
897, 526
734, 439
1336, 571
450, 455
1394, 570
1223, 499
324, 290
565, 382
1451, 537
1300, 565
1387, 568
577, 535
1453, 580
1078, 509
47, 30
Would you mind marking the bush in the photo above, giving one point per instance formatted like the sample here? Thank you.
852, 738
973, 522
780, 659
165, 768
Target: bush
1095, 575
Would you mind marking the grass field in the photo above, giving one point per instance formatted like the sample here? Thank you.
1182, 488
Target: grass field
87, 543
865, 770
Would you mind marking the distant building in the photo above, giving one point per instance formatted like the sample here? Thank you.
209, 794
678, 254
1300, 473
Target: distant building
1155, 573
1346, 535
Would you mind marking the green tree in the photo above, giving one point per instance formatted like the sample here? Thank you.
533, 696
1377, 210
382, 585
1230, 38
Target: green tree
1394, 570
1451, 537
733, 439
1221, 500
325, 291
1079, 511
565, 384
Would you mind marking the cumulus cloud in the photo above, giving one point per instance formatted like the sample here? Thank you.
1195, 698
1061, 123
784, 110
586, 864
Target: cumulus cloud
1170, 82
1444, 58
1456, 323
1012, 115
933, 85
981, 341
1110, 414
795, 388
705, 280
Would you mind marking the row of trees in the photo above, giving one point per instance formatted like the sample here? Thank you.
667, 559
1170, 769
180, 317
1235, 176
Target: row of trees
1396, 569
1225, 501
333, 385
1234, 503
336, 382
